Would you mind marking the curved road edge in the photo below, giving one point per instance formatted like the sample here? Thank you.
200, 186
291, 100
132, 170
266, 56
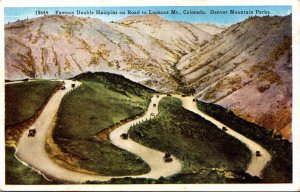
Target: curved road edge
30, 151
257, 163
152, 157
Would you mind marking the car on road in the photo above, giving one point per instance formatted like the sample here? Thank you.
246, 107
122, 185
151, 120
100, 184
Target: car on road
31, 132
63, 88
224, 128
258, 154
183, 95
194, 100
167, 157
154, 105
169, 95
124, 135
152, 114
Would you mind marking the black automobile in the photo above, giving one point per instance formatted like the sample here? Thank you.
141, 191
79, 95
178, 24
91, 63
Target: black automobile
167, 157
258, 154
124, 135
31, 132
224, 128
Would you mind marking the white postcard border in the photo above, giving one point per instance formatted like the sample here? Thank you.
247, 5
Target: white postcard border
295, 186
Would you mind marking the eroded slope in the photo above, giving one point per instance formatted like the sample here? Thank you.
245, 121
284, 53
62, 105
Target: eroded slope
247, 68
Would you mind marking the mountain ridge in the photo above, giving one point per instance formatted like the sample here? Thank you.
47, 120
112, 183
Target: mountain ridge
247, 69
49, 47
239, 68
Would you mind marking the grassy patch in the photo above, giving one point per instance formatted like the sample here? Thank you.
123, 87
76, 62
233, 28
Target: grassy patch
22, 100
102, 100
17, 173
181, 178
279, 169
209, 155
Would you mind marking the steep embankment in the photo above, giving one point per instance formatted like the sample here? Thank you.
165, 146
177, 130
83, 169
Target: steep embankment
24, 102
247, 69
103, 102
64, 46
50, 169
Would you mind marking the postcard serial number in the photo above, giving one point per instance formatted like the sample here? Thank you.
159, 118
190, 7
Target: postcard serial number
41, 12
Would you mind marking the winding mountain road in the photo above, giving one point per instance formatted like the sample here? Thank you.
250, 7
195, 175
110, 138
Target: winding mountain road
257, 163
152, 157
31, 152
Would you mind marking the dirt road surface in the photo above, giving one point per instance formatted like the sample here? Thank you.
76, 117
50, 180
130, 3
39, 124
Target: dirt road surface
257, 163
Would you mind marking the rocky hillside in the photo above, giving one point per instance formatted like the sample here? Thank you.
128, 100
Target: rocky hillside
172, 34
246, 68
209, 28
64, 46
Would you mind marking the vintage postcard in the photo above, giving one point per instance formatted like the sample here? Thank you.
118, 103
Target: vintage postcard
174, 96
